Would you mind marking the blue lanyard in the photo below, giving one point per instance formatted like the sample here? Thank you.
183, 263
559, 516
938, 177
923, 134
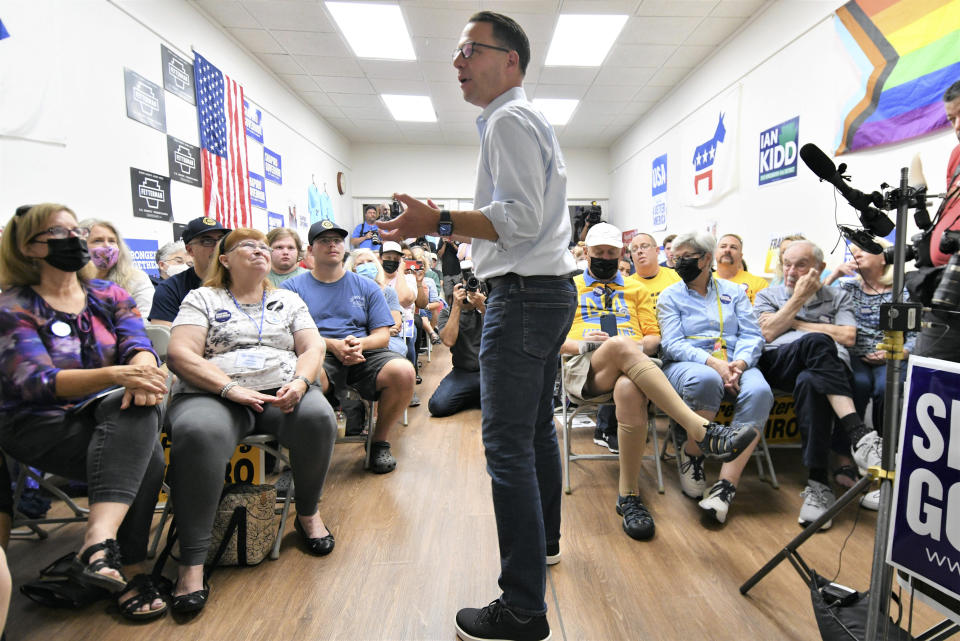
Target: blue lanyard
263, 307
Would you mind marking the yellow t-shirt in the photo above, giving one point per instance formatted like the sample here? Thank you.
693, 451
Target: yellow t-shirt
628, 299
664, 278
751, 283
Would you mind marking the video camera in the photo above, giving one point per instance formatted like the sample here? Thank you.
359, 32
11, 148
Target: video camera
591, 213
470, 282
947, 294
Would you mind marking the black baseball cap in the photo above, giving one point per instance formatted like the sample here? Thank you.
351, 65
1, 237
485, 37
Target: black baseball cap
321, 226
199, 226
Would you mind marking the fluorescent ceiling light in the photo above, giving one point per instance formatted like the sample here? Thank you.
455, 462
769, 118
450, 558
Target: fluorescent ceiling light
410, 108
374, 30
583, 40
557, 110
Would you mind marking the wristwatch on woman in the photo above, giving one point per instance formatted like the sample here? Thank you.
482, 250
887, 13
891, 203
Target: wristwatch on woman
306, 381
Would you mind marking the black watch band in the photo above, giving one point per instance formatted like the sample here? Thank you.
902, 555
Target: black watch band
445, 225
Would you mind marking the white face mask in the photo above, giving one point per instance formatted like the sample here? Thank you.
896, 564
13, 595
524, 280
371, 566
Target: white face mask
173, 270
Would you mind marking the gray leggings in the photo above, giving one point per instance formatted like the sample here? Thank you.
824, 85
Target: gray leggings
204, 431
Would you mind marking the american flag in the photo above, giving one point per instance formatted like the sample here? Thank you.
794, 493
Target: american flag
223, 142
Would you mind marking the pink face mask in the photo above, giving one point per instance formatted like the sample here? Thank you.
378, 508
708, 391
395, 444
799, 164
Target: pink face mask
104, 257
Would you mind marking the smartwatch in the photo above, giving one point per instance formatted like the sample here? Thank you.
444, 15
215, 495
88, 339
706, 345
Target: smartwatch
445, 226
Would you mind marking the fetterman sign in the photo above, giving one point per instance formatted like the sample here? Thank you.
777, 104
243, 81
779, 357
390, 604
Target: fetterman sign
925, 532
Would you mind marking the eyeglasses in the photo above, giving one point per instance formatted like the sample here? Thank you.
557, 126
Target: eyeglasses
59, 232
645, 247
467, 48
206, 241
251, 246
328, 240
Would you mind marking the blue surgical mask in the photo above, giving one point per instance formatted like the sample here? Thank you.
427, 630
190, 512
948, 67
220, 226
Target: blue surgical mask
368, 269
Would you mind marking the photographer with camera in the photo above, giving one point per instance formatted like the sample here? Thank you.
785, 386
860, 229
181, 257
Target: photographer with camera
587, 217
366, 235
460, 328
449, 266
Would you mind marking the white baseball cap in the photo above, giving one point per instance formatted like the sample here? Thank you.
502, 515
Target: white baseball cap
604, 234
391, 246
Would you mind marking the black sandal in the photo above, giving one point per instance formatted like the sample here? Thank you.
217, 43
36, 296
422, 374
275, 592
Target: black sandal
147, 592
88, 572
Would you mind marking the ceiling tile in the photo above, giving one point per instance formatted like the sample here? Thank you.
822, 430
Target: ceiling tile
651, 93
466, 5
296, 16
636, 108
392, 69
317, 44
689, 56
330, 66
347, 100
737, 8
438, 71
595, 108
280, 63
300, 83
676, 7
657, 30
632, 55
330, 111
229, 14
337, 84
436, 22
668, 76
539, 28
561, 91
611, 92
567, 75
713, 31
635, 76
446, 94
375, 111
316, 98
435, 49
512, 7
402, 87
625, 7
257, 40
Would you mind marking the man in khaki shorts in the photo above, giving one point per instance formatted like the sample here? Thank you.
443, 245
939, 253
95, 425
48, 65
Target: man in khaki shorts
615, 367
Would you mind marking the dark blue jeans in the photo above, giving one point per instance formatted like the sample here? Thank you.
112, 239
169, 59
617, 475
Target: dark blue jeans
870, 382
526, 321
459, 390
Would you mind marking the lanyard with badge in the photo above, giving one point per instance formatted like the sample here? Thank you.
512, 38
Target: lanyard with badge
247, 360
719, 342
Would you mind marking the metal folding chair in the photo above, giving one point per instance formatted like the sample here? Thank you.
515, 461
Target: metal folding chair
33, 525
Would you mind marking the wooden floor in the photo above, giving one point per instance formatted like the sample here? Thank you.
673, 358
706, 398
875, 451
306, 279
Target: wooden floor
416, 545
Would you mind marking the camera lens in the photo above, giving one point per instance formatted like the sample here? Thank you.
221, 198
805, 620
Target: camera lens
471, 284
948, 291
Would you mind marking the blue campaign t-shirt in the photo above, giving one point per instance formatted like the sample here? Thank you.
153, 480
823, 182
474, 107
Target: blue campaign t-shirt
170, 293
362, 229
352, 306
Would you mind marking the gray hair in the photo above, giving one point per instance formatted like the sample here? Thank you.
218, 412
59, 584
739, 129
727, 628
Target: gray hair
816, 251
952, 92
702, 241
169, 250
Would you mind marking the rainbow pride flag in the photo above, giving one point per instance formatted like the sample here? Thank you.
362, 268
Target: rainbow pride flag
908, 52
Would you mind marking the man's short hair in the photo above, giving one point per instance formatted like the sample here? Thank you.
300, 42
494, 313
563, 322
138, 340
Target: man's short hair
369, 207
169, 250
508, 33
278, 233
816, 251
668, 239
702, 241
952, 92
653, 240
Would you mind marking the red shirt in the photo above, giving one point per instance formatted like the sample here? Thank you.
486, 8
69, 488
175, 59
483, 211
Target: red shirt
951, 215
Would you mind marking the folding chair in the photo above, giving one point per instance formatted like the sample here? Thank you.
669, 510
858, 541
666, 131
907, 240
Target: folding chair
159, 335
34, 526
587, 408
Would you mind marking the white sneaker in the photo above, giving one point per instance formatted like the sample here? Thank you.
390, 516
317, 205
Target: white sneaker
719, 498
817, 499
867, 452
871, 500
693, 483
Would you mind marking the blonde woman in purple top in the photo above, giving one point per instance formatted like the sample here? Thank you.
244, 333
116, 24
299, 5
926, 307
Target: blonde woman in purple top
80, 387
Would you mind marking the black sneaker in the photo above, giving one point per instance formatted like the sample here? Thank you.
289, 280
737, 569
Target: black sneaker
497, 622
725, 443
605, 439
637, 521
553, 553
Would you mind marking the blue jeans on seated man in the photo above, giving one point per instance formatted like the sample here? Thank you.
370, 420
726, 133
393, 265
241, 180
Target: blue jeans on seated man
870, 383
525, 324
459, 390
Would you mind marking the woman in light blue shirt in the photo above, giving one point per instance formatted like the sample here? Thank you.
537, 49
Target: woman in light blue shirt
711, 343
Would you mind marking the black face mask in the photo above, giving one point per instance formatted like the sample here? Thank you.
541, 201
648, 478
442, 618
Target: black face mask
604, 268
687, 268
67, 254
390, 266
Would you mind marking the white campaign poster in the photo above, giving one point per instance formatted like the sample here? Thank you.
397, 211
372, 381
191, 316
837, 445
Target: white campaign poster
708, 156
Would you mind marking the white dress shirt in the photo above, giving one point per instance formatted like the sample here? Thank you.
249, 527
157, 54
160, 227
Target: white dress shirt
522, 190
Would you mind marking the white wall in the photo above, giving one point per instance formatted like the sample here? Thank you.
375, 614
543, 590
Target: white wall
448, 173
788, 62
90, 170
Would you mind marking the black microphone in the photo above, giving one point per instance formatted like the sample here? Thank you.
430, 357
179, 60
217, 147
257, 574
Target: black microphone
862, 239
872, 218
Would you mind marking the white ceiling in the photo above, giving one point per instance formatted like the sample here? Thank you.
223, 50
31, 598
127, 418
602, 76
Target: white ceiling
661, 43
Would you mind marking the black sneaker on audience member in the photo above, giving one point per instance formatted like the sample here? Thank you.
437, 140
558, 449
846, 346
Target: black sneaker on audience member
605, 439
637, 520
553, 553
415, 400
497, 622
718, 500
724, 442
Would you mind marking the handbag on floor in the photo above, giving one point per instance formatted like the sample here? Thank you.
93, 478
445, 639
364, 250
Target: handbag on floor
245, 526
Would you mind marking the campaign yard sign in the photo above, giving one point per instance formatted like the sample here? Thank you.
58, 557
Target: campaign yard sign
272, 166
778, 151
258, 193
150, 193
253, 121
925, 530
144, 253
658, 189
144, 100
177, 75
183, 161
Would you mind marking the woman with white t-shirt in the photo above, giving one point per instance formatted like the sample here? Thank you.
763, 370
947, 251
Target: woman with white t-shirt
247, 355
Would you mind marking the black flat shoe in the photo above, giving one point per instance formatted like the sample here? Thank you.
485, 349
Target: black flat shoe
318, 547
190, 602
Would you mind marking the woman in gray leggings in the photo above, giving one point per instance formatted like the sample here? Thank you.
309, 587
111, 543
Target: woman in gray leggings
247, 356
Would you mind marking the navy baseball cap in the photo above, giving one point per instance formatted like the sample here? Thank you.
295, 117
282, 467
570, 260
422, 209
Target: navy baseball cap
321, 226
199, 226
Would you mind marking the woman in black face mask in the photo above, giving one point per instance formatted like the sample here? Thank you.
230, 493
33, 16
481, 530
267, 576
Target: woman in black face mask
79, 390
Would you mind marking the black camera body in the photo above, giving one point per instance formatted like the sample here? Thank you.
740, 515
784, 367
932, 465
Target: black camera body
470, 282
375, 239
395, 209
592, 214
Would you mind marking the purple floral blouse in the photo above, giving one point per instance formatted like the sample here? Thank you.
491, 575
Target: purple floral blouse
37, 341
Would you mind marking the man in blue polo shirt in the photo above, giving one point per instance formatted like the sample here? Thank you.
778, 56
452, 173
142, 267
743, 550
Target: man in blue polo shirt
354, 320
366, 235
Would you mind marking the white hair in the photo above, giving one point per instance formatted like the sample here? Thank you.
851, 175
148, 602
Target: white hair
702, 241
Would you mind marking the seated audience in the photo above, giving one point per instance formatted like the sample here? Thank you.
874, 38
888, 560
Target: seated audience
200, 238
732, 267
668, 251
366, 263
408, 288
625, 267
605, 368
808, 329
460, 328
285, 253
80, 389
366, 235
353, 318
711, 345
247, 356
110, 259
171, 259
